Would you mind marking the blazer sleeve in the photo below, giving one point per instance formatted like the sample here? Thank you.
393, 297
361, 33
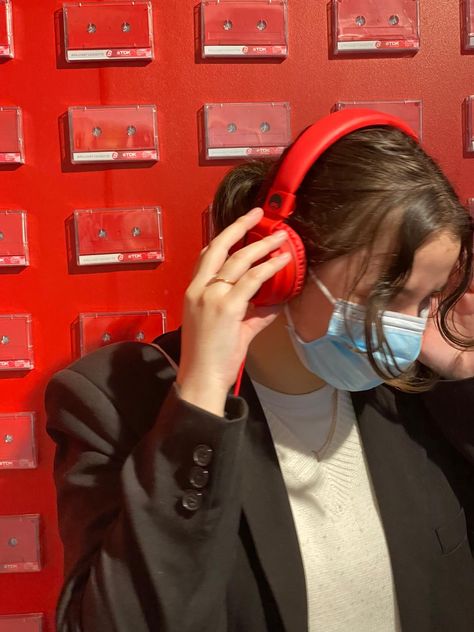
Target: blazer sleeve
144, 548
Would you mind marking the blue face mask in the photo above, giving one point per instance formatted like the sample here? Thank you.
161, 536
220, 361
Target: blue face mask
340, 356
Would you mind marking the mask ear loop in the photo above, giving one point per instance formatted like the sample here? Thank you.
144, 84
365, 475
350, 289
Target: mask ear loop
286, 309
322, 287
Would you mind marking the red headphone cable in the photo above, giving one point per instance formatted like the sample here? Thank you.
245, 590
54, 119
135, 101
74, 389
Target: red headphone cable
239, 379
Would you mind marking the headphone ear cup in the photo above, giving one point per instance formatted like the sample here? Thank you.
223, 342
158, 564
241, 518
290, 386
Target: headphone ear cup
299, 262
288, 282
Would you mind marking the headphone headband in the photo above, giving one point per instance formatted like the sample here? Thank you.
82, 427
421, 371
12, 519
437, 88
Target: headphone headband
311, 144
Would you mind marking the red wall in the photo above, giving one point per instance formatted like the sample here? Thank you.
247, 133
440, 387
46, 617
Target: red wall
179, 83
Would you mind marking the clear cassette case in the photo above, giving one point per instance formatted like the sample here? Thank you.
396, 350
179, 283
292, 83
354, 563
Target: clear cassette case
21, 623
468, 9
6, 30
375, 26
108, 31
113, 133
13, 239
20, 544
16, 343
11, 136
111, 236
240, 130
469, 124
17, 441
409, 110
100, 329
244, 28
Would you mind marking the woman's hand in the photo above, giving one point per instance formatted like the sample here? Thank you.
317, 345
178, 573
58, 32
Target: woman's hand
219, 322
439, 355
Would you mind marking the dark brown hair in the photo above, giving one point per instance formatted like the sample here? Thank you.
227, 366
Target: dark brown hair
370, 180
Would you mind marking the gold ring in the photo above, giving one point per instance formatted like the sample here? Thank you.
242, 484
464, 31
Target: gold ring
216, 279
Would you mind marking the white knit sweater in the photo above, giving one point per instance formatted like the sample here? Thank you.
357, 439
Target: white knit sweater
345, 557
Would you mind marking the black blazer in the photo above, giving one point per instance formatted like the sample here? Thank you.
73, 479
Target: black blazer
137, 560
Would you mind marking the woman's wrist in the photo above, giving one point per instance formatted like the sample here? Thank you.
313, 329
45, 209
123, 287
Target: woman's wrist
203, 395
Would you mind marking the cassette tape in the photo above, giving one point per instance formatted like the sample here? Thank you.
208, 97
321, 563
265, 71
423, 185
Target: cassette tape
17, 441
108, 236
409, 110
375, 26
21, 623
20, 544
99, 330
11, 135
252, 28
468, 10
238, 130
13, 239
6, 31
113, 133
111, 30
16, 346
469, 124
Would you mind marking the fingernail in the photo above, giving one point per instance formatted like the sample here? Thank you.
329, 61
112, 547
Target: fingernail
280, 233
255, 212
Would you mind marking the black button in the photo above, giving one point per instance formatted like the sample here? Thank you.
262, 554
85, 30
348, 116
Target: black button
192, 500
202, 455
198, 477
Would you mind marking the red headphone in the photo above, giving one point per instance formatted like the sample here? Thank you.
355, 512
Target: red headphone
280, 201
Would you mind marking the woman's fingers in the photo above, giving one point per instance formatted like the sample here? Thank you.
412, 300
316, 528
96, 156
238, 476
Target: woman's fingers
213, 257
242, 260
249, 284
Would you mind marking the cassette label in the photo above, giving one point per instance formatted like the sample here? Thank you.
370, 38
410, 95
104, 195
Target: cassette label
13, 239
121, 29
101, 329
368, 26
17, 441
21, 623
19, 544
106, 236
16, 347
11, 135
253, 28
239, 130
410, 110
113, 133
6, 33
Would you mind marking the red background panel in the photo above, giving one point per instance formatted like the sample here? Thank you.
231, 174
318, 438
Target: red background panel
179, 83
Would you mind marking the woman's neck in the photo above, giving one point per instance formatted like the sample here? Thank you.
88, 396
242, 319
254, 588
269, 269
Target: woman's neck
273, 362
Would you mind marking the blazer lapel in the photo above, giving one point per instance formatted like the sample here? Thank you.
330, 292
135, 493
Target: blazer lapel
397, 466
268, 513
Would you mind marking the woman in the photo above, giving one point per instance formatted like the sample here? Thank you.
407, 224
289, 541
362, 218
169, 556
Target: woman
332, 493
